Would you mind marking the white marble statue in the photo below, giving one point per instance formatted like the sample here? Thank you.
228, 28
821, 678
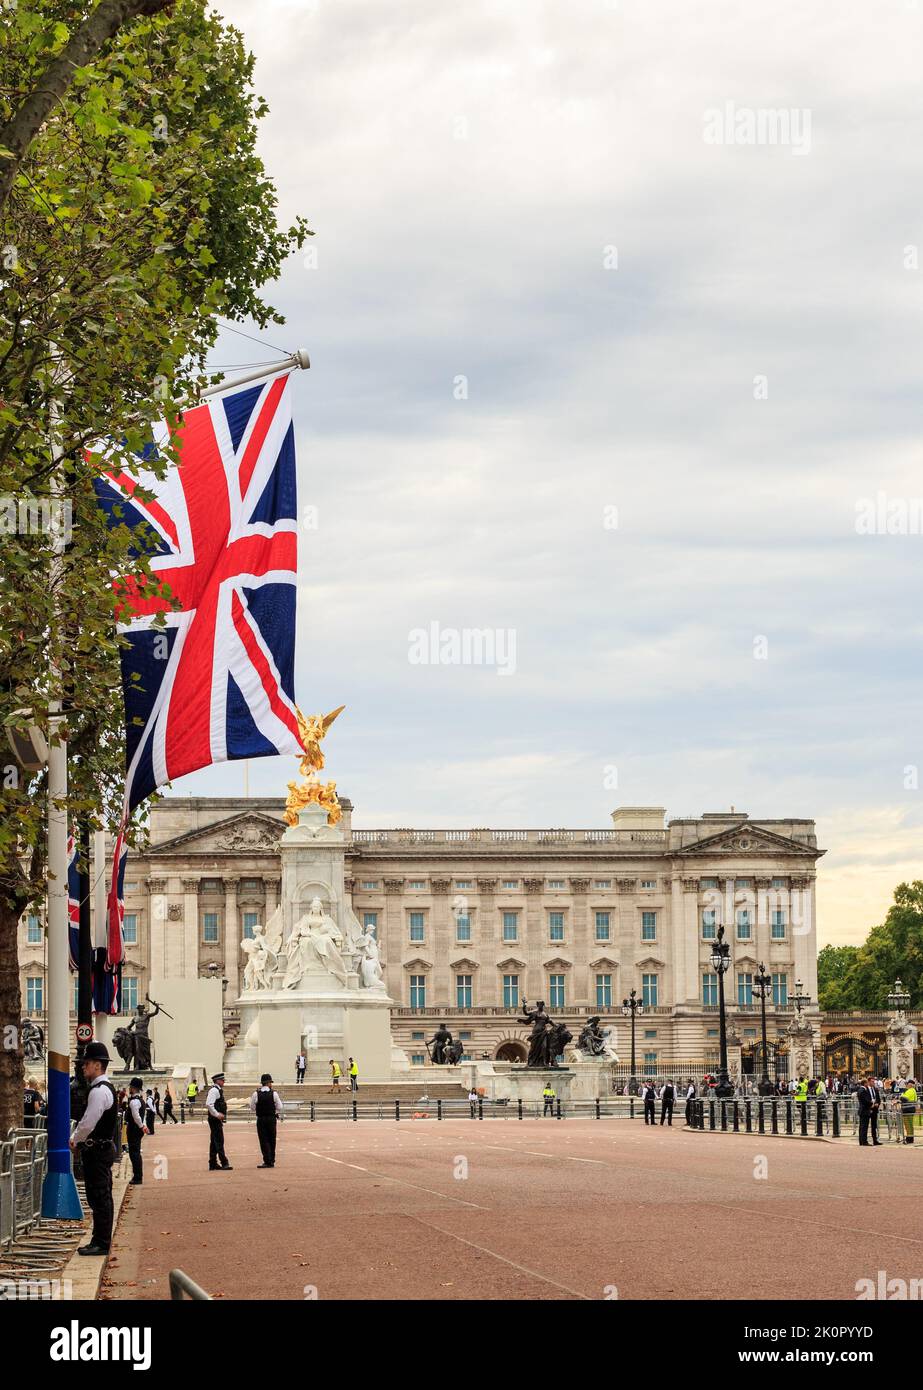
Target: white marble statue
314, 944
261, 960
370, 971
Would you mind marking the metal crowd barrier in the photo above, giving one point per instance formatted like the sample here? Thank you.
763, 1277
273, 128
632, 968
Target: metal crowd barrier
833, 1117
457, 1108
23, 1162
181, 1286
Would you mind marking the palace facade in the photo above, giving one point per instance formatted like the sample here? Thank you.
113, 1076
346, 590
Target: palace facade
472, 923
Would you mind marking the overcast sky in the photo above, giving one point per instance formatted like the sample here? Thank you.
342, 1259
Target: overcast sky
683, 361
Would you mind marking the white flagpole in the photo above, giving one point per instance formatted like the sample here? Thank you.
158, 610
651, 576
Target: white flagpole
299, 359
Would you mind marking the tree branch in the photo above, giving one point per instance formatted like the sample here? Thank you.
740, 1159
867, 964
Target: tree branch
83, 46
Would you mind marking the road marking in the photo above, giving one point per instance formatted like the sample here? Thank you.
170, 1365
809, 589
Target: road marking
856, 1230
523, 1269
402, 1182
543, 1153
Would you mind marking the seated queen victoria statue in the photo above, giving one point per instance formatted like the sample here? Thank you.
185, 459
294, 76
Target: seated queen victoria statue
314, 945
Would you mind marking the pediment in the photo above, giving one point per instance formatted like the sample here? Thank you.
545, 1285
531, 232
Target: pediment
511, 963
651, 960
604, 963
558, 963
750, 840
418, 963
250, 832
464, 964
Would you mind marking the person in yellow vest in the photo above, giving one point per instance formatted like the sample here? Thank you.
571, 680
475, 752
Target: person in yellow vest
908, 1109
548, 1095
801, 1091
353, 1071
335, 1074
192, 1091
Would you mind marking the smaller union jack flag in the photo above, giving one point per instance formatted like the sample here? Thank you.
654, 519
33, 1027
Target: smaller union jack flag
73, 903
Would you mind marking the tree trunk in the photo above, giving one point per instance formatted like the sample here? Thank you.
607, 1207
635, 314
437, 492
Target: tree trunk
84, 45
12, 1069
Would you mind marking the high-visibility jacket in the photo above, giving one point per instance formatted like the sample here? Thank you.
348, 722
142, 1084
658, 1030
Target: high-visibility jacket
335, 1069
801, 1090
909, 1100
548, 1092
354, 1070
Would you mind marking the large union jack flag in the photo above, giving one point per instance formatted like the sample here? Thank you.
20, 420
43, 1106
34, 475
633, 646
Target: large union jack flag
217, 681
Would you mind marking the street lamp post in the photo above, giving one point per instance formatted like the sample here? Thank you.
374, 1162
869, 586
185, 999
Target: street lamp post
761, 986
721, 959
630, 1008
899, 998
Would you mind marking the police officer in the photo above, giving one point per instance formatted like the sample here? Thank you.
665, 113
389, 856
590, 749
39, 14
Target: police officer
217, 1110
96, 1131
649, 1097
667, 1101
267, 1107
136, 1128
548, 1095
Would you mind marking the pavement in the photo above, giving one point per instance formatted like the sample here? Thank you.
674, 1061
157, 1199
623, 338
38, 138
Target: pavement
507, 1209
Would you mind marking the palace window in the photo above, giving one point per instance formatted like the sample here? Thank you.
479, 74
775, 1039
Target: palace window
778, 925
417, 883
556, 883
650, 1061
370, 884
511, 991
417, 926
556, 991
708, 883
212, 885
511, 884
602, 926
209, 927
744, 990
463, 991
649, 991
463, 883
418, 1037
130, 928
648, 926
780, 883
744, 924
370, 921
35, 993
418, 1059
602, 883
709, 924
743, 883
780, 989
604, 991
463, 927
251, 919
709, 989
648, 883
510, 926
129, 994
556, 926
650, 1032
33, 929
251, 885
418, 991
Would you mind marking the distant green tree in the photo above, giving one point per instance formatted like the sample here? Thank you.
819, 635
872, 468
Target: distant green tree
833, 964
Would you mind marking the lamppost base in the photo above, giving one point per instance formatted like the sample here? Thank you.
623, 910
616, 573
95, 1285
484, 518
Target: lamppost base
632, 1085
60, 1201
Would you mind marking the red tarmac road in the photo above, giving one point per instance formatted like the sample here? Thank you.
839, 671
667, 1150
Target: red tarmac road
535, 1209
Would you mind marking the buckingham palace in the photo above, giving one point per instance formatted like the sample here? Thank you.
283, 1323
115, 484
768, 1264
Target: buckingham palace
471, 923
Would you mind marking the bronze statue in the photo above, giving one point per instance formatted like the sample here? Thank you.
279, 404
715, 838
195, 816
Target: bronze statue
454, 1052
124, 1043
312, 790
33, 1040
440, 1042
538, 1038
138, 1028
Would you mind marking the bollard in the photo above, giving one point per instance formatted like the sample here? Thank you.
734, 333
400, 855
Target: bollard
355, 1111
182, 1112
519, 1107
397, 1110
836, 1117
558, 1107
749, 1117
736, 1119
312, 1111
711, 1114
760, 1117
724, 1115
480, 1107
439, 1108
774, 1119
597, 1107
819, 1109
803, 1106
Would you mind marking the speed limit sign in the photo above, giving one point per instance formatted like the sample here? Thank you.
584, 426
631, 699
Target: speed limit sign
84, 1032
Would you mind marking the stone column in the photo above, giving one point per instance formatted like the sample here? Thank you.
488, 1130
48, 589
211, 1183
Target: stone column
272, 896
687, 950
535, 943
487, 985
231, 937
804, 933
391, 936
191, 932
441, 929
581, 941
157, 920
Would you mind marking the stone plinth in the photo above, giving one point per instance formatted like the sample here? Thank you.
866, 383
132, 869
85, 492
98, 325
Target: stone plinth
527, 1083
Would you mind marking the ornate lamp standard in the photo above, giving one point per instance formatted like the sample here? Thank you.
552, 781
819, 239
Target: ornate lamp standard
721, 959
631, 1007
899, 998
761, 987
